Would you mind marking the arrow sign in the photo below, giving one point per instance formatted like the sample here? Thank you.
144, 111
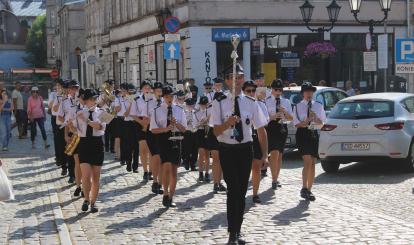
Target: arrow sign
172, 50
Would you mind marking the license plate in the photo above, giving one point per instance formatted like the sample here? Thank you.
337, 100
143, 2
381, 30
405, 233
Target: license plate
288, 140
356, 146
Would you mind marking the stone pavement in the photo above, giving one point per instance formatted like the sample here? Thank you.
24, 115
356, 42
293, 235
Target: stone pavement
363, 204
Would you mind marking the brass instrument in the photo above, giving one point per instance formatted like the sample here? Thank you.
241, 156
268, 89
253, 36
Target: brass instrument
71, 147
108, 98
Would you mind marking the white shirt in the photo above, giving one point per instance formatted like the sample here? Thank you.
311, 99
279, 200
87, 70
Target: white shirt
127, 103
284, 103
52, 96
189, 116
262, 106
159, 117
19, 103
151, 105
200, 115
67, 108
83, 123
300, 112
119, 101
250, 113
210, 96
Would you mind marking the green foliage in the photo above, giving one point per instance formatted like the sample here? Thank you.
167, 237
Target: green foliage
36, 44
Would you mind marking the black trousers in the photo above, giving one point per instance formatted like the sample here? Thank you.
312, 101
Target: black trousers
54, 129
189, 149
60, 146
131, 144
236, 162
109, 137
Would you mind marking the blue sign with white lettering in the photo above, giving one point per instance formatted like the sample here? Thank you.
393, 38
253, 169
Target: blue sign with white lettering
224, 34
172, 51
404, 50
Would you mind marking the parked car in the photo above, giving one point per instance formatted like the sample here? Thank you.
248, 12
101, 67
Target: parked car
368, 127
327, 96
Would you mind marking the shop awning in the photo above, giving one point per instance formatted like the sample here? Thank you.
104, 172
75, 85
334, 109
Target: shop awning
22, 71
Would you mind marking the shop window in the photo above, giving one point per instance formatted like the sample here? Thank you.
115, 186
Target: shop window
224, 61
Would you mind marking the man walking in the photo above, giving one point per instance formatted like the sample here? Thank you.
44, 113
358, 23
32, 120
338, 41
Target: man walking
19, 113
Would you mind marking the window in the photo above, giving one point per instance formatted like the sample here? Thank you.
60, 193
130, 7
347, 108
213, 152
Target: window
408, 104
363, 110
330, 100
319, 98
340, 95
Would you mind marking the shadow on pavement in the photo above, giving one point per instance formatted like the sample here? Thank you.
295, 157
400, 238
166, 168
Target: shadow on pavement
366, 173
195, 202
214, 222
108, 196
295, 214
46, 228
125, 206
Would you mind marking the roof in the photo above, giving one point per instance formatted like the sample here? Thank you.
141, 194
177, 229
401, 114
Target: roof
28, 7
379, 96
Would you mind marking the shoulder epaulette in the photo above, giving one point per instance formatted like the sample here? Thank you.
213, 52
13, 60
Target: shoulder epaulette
179, 107
318, 102
268, 97
137, 98
251, 98
209, 106
219, 96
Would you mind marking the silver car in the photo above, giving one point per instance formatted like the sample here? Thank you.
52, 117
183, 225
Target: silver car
327, 96
369, 127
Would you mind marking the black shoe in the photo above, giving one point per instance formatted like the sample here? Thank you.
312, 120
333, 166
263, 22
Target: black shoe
85, 206
166, 201
232, 239
278, 184
187, 166
82, 195
128, 167
240, 241
193, 168
304, 193
135, 171
71, 180
207, 178
145, 177
122, 163
274, 185
150, 176
94, 208
200, 177
311, 197
222, 187
64, 172
77, 191
154, 188
264, 172
160, 191
58, 164
216, 188
256, 199
171, 203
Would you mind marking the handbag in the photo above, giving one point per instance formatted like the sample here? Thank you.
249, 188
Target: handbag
6, 189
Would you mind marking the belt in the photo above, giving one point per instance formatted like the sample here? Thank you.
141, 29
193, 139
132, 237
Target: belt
236, 146
120, 117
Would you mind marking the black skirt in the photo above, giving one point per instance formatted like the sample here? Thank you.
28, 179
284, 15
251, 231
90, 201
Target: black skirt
152, 142
276, 136
116, 126
201, 139
91, 151
257, 150
141, 134
307, 141
212, 142
169, 150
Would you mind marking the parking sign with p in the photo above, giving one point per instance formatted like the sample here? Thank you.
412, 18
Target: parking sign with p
404, 50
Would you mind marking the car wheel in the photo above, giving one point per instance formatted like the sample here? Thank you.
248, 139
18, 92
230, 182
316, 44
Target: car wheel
330, 167
409, 162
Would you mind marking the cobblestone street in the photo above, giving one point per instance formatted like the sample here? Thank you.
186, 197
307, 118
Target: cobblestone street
362, 204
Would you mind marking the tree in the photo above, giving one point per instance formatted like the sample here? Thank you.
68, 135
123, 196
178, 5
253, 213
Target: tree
36, 46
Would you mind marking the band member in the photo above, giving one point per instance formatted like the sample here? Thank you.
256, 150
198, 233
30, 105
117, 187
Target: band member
307, 114
108, 105
190, 152
138, 113
217, 87
280, 111
56, 96
202, 117
117, 123
249, 89
130, 136
208, 91
121, 108
90, 149
152, 140
167, 120
68, 107
234, 133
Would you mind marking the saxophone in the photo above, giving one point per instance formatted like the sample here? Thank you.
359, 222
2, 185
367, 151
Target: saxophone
71, 147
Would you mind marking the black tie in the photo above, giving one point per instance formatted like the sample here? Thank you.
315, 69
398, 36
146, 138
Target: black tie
239, 126
169, 115
89, 129
277, 107
158, 102
309, 109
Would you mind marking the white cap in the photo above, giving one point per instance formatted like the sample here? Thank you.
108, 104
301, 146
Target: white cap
35, 88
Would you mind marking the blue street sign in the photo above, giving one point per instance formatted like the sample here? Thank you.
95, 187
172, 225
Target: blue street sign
224, 34
404, 50
172, 24
172, 51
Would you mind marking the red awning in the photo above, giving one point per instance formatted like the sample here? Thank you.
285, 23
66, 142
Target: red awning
22, 71
43, 70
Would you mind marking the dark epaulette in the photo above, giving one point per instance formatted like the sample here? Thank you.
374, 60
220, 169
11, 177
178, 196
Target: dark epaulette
318, 102
251, 98
268, 97
219, 96
209, 106
137, 98
196, 110
261, 101
179, 107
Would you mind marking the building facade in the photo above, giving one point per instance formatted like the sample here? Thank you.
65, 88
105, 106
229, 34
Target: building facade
124, 38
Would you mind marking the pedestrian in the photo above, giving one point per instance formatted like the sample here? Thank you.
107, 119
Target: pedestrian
37, 116
280, 112
138, 113
168, 121
19, 113
202, 117
123, 104
308, 114
322, 83
249, 89
357, 91
234, 133
90, 149
25, 94
6, 108
349, 88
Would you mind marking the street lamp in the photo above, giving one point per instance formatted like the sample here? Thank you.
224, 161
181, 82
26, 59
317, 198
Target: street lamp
333, 13
355, 6
78, 56
161, 17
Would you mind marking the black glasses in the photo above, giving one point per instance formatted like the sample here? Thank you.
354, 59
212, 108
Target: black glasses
278, 89
250, 91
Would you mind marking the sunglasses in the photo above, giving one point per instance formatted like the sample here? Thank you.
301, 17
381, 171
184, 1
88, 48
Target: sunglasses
250, 91
278, 89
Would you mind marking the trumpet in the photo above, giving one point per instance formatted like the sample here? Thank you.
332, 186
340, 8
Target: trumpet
71, 147
107, 94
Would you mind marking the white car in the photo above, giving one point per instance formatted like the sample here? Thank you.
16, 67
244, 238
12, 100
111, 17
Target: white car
368, 127
327, 96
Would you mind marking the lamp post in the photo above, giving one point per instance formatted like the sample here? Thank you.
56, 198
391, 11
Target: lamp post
333, 12
78, 56
355, 6
161, 17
